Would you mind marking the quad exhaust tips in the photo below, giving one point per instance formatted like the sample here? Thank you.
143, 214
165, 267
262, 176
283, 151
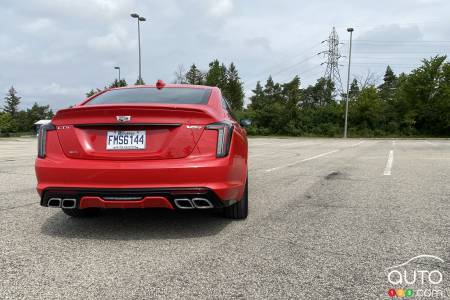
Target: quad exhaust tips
199, 203
54, 202
68, 203
202, 203
184, 203
181, 203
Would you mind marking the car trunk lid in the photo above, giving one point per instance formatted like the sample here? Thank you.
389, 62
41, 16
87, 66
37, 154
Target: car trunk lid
171, 131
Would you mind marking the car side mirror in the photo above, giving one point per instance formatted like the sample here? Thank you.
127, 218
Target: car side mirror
245, 122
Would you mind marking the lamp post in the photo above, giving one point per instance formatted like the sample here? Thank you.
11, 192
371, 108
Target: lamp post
118, 68
348, 81
139, 19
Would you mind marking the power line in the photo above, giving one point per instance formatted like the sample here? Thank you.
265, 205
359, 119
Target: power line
283, 62
283, 70
303, 73
398, 41
387, 57
401, 52
396, 24
381, 63
295, 65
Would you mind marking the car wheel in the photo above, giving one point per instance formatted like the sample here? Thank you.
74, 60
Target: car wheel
238, 210
81, 213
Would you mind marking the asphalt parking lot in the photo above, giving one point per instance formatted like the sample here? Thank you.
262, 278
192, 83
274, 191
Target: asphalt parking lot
327, 216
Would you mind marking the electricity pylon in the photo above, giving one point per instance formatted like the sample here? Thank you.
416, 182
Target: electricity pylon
332, 56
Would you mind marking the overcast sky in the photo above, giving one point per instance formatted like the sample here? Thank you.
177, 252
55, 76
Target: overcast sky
54, 51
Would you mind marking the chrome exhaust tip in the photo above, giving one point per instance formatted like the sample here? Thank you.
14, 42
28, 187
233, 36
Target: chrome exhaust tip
54, 202
202, 203
69, 203
183, 203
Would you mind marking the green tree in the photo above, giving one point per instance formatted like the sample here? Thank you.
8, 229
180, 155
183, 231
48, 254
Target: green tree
139, 81
26, 118
387, 88
320, 94
12, 102
422, 100
257, 100
216, 75
92, 92
268, 108
194, 75
233, 90
417, 103
22, 122
354, 89
118, 83
39, 112
366, 113
272, 90
6, 123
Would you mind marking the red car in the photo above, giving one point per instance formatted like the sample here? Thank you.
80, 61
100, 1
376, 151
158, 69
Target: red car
170, 146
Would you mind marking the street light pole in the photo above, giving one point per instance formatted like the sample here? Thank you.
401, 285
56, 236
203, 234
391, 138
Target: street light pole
118, 68
139, 45
348, 82
139, 19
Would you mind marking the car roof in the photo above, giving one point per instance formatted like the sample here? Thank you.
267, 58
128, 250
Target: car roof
213, 89
168, 85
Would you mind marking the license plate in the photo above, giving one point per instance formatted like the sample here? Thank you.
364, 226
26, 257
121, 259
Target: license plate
125, 140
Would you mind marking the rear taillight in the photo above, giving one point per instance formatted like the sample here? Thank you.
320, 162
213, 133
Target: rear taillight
225, 132
42, 139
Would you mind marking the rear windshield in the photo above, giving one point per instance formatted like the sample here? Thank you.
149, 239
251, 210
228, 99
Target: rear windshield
153, 95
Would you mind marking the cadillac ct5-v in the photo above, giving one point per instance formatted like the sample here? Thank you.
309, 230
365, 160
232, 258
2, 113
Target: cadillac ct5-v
169, 146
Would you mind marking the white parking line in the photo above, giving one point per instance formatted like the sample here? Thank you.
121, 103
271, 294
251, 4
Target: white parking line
430, 143
390, 161
357, 144
300, 161
256, 155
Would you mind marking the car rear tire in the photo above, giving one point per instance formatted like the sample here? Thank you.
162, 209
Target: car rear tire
81, 213
239, 210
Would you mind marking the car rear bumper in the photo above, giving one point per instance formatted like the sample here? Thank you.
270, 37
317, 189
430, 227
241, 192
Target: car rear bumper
222, 180
133, 198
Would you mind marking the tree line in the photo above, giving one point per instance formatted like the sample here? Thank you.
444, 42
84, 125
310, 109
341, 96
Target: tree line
414, 104
224, 77
14, 120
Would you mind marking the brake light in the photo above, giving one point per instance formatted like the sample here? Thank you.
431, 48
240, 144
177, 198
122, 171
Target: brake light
225, 132
160, 84
42, 139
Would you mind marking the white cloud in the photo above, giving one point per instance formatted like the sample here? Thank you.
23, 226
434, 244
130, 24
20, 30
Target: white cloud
105, 43
393, 32
69, 47
258, 41
49, 58
219, 8
117, 40
37, 25
59, 90
82, 9
12, 54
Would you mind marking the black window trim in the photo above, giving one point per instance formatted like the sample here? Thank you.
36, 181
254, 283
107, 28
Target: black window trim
226, 105
205, 97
